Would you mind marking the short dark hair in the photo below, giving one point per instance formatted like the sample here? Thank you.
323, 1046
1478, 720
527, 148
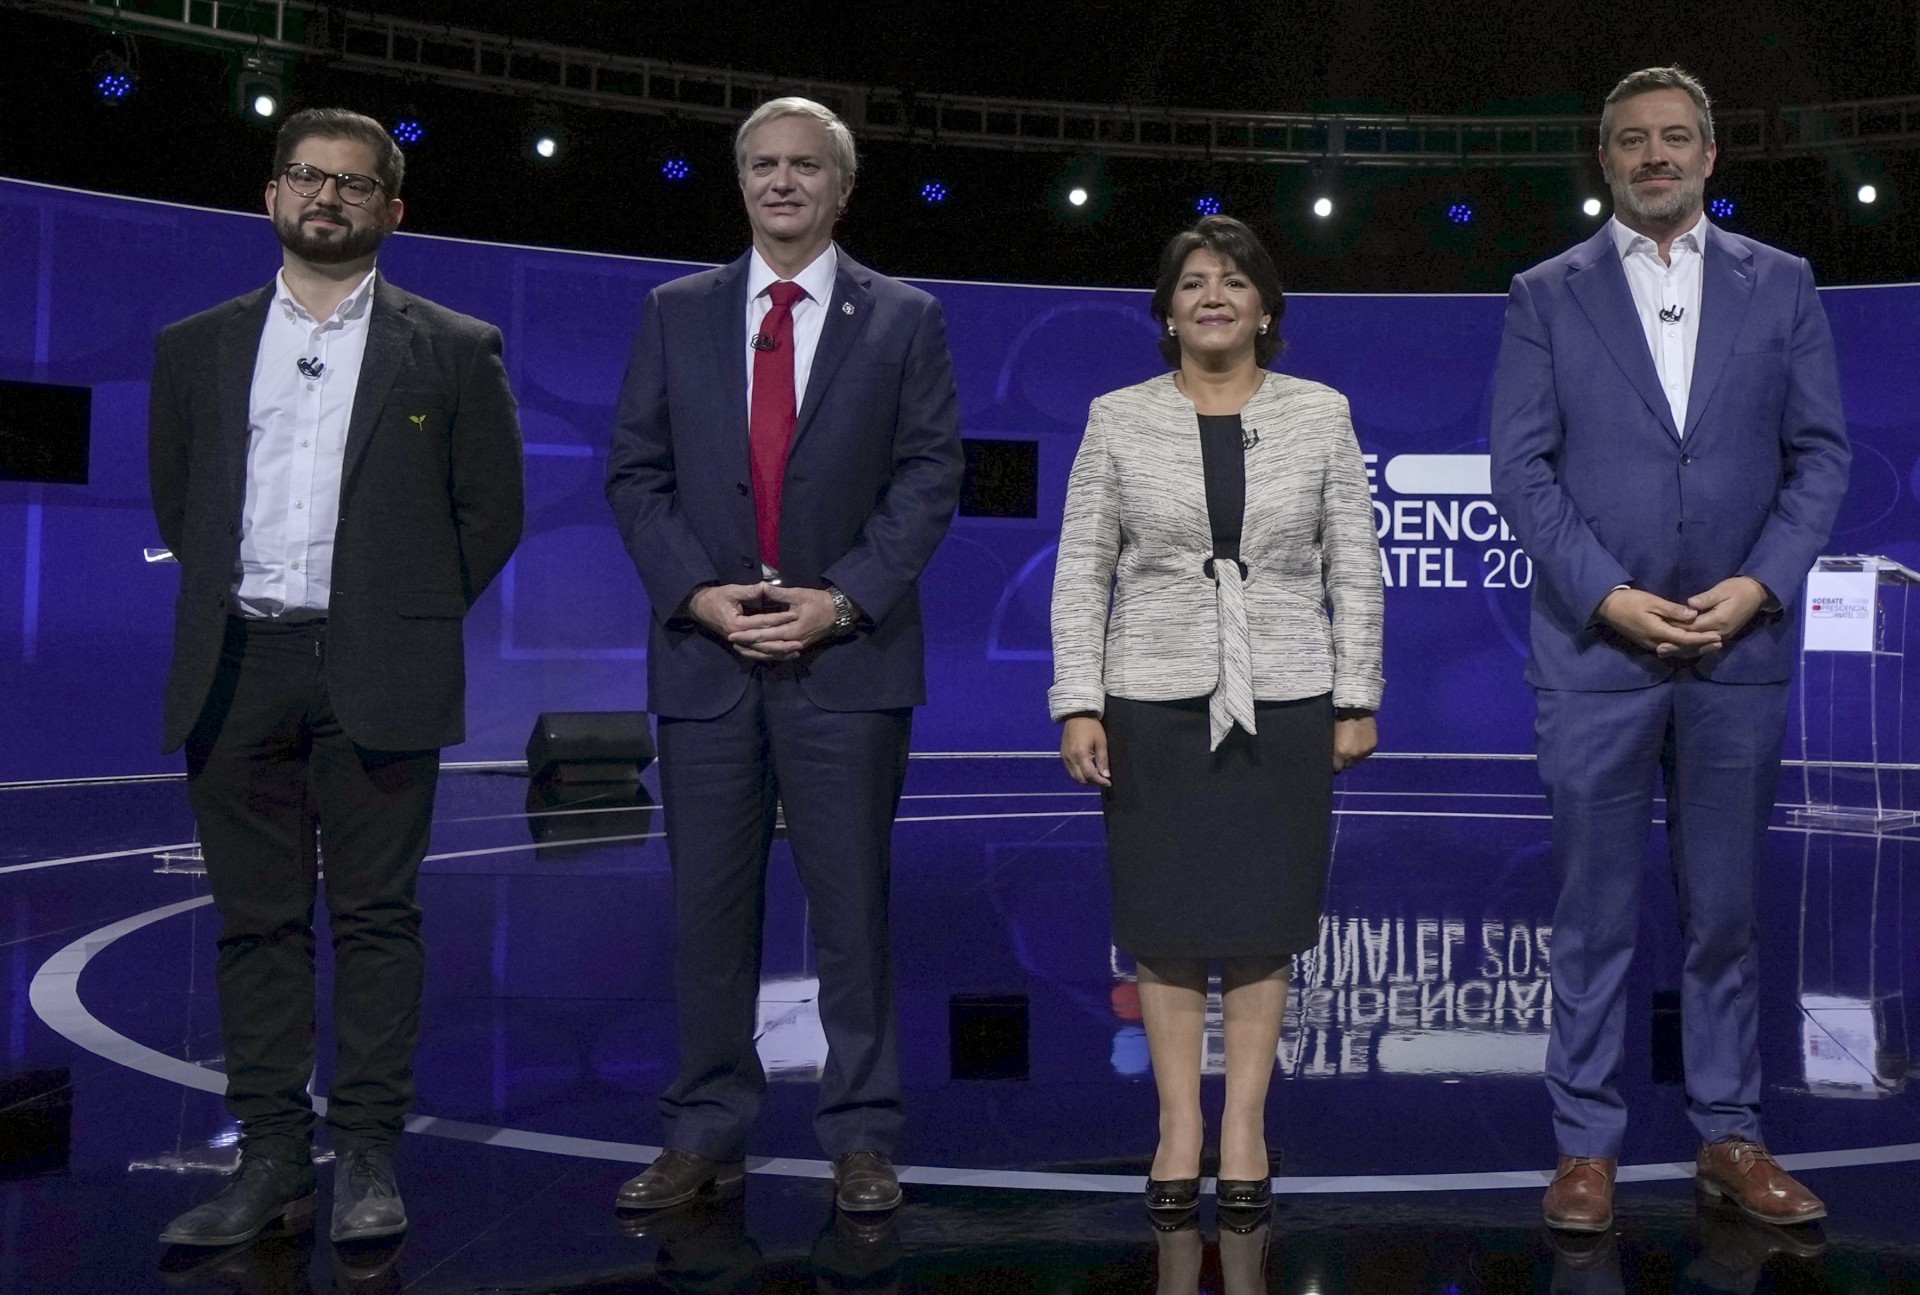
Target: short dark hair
389, 163
1238, 246
1649, 79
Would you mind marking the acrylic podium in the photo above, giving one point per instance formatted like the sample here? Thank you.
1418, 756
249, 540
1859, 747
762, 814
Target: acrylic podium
1853, 696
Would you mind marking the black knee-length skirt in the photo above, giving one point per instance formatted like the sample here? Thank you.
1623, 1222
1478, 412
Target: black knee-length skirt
1219, 854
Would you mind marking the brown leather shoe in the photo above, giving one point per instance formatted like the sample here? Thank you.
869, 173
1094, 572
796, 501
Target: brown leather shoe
1746, 1175
1580, 1198
678, 1177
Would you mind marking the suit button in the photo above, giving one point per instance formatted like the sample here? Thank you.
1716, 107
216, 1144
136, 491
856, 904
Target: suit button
741, 486
1686, 458
747, 563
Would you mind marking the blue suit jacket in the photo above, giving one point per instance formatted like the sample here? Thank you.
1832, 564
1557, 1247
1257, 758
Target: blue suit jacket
1590, 475
872, 480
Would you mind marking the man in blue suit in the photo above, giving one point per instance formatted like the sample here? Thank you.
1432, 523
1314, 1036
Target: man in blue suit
1668, 444
786, 458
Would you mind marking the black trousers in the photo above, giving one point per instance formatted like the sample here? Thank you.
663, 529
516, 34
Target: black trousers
838, 775
268, 762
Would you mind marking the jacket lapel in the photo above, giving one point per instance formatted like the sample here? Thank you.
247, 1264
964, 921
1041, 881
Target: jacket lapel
238, 352
1599, 284
389, 336
847, 312
726, 316
1726, 288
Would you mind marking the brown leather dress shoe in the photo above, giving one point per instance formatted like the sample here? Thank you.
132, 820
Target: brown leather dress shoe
1580, 1198
1746, 1175
864, 1183
679, 1177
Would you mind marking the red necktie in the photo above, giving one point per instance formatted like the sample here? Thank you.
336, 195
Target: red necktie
772, 414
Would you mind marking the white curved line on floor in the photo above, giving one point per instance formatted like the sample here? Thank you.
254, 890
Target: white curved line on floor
55, 995
928, 818
93, 858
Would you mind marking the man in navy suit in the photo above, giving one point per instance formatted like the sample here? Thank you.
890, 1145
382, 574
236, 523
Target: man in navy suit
1668, 444
786, 458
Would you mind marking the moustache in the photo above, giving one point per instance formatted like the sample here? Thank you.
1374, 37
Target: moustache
1656, 173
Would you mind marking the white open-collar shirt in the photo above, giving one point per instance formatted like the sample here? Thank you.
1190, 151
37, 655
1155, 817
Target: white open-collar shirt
1672, 287
296, 450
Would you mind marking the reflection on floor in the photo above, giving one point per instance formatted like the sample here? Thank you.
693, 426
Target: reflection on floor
1409, 1124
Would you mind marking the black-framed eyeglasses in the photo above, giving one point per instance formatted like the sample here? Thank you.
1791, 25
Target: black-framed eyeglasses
307, 181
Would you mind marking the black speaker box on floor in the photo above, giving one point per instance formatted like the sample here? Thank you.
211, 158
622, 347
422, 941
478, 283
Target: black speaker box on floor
36, 1122
577, 747
987, 1034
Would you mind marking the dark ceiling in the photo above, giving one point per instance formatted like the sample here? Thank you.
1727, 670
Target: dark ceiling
180, 139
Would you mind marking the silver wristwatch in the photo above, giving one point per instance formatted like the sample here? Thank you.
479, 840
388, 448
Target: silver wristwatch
843, 614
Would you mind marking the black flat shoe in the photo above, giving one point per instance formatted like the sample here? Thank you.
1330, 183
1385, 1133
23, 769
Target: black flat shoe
1245, 1202
1172, 1200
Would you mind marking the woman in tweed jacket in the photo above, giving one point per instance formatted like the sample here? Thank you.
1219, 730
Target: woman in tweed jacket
1214, 516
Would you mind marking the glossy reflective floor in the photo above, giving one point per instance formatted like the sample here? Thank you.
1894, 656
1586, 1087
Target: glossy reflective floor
1409, 1123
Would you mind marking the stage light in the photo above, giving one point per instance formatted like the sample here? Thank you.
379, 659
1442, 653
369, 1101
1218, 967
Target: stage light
114, 79
1722, 208
933, 193
1461, 213
1323, 207
1591, 206
675, 169
1867, 194
409, 130
546, 146
1077, 196
1207, 204
259, 91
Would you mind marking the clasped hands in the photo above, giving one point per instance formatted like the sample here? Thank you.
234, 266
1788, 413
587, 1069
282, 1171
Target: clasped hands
1704, 624
764, 622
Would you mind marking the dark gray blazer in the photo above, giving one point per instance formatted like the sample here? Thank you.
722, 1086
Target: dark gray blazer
430, 507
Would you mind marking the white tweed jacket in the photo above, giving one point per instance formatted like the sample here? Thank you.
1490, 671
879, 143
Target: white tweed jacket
1133, 609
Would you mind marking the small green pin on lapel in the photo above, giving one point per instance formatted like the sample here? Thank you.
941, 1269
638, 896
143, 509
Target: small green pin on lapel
418, 420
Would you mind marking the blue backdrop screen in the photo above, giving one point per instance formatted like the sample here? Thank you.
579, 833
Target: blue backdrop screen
87, 280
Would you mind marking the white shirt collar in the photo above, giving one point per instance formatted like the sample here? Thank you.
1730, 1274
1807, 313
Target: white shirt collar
816, 280
352, 307
1626, 242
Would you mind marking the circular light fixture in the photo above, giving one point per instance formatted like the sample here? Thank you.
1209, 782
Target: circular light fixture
1077, 196
1207, 204
933, 193
675, 169
409, 130
1868, 195
265, 105
546, 146
1722, 208
1591, 206
1461, 213
1323, 207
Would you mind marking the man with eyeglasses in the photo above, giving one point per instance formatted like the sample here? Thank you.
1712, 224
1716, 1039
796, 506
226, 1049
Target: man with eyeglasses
336, 466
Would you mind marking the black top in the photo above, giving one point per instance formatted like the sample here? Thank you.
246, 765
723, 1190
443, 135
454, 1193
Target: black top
1224, 464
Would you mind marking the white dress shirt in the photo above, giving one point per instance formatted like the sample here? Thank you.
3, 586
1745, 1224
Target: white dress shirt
296, 449
809, 314
1674, 288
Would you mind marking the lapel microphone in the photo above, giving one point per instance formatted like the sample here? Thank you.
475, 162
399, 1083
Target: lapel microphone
763, 342
1249, 437
1671, 314
310, 368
